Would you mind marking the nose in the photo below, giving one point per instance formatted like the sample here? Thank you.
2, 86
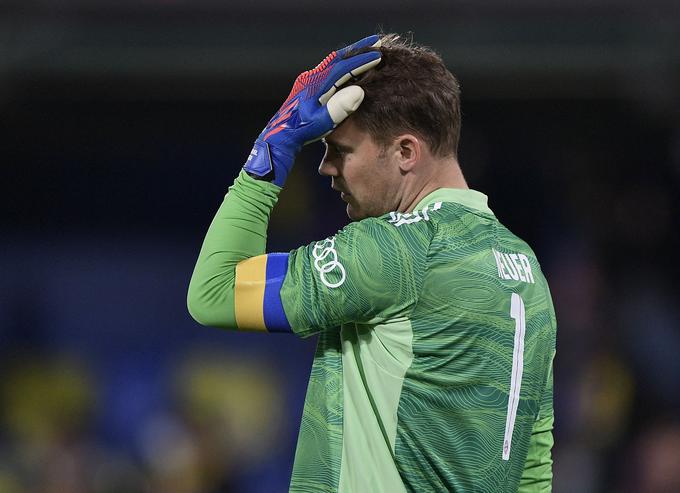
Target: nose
327, 168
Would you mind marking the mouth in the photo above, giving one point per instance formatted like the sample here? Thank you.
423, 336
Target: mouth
343, 194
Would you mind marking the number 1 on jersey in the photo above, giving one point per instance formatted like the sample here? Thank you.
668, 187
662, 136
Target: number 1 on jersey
517, 313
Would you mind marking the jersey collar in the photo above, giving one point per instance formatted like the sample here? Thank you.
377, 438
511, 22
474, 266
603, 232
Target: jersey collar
467, 197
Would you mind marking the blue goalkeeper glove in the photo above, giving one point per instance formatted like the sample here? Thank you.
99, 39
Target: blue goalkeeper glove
311, 111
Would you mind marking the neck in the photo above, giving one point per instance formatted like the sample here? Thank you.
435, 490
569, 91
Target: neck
441, 173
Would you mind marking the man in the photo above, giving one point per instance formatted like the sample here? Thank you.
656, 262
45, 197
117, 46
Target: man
436, 326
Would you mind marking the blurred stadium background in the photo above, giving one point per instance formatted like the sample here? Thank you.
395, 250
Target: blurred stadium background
123, 123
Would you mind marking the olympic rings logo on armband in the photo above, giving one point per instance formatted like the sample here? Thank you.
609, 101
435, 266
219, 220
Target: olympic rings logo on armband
326, 262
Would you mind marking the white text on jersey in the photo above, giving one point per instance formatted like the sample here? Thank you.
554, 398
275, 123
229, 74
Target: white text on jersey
513, 266
399, 218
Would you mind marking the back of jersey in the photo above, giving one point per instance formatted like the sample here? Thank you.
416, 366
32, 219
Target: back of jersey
483, 342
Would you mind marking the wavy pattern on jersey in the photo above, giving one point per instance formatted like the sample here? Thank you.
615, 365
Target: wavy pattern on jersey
453, 407
382, 269
364, 249
319, 451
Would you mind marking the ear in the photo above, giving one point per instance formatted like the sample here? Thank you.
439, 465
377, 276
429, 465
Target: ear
408, 151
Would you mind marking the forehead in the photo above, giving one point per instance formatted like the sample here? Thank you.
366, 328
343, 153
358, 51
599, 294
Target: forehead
348, 133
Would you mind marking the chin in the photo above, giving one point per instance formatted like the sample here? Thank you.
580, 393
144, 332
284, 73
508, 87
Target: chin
353, 214
356, 214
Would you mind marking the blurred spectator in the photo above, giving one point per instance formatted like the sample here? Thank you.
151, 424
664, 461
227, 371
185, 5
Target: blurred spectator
655, 459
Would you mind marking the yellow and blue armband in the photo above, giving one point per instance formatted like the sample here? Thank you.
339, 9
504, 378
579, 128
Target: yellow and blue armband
257, 293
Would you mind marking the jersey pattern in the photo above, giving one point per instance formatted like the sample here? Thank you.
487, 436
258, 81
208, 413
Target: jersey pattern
410, 388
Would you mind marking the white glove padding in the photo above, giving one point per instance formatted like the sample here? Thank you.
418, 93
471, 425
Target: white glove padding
344, 102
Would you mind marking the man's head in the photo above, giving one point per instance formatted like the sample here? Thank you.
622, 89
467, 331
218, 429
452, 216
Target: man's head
410, 115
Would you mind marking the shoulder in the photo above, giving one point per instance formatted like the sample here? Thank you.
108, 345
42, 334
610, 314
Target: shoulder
374, 244
418, 225
379, 239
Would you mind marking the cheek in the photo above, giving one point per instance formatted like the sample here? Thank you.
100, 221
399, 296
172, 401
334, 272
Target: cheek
369, 181
354, 174
376, 188
364, 182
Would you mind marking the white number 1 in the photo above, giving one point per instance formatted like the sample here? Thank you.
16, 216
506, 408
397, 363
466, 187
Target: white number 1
516, 312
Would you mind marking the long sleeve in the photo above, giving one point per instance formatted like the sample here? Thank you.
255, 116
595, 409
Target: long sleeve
237, 232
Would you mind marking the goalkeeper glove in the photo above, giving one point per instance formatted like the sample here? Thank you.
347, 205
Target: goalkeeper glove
311, 111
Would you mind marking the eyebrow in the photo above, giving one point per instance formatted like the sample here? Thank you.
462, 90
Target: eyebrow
337, 145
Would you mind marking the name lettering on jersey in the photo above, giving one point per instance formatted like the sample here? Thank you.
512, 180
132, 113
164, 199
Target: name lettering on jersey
513, 266
400, 218
331, 271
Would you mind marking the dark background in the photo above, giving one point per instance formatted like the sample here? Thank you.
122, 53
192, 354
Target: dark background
122, 125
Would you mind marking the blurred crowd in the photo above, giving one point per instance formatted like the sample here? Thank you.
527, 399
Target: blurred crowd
216, 431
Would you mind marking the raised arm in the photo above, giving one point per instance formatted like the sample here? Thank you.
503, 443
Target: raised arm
229, 287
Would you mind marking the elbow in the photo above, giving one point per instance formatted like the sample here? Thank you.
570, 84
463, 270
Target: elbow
196, 308
207, 311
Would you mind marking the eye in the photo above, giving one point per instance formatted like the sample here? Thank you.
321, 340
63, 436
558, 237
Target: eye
333, 149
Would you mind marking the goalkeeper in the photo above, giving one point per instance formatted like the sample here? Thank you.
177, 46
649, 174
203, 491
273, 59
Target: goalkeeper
436, 326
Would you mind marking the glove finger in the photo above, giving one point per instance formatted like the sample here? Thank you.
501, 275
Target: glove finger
323, 99
373, 40
344, 69
344, 103
361, 63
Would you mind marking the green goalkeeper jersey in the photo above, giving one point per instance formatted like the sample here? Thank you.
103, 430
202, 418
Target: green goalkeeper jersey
433, 365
